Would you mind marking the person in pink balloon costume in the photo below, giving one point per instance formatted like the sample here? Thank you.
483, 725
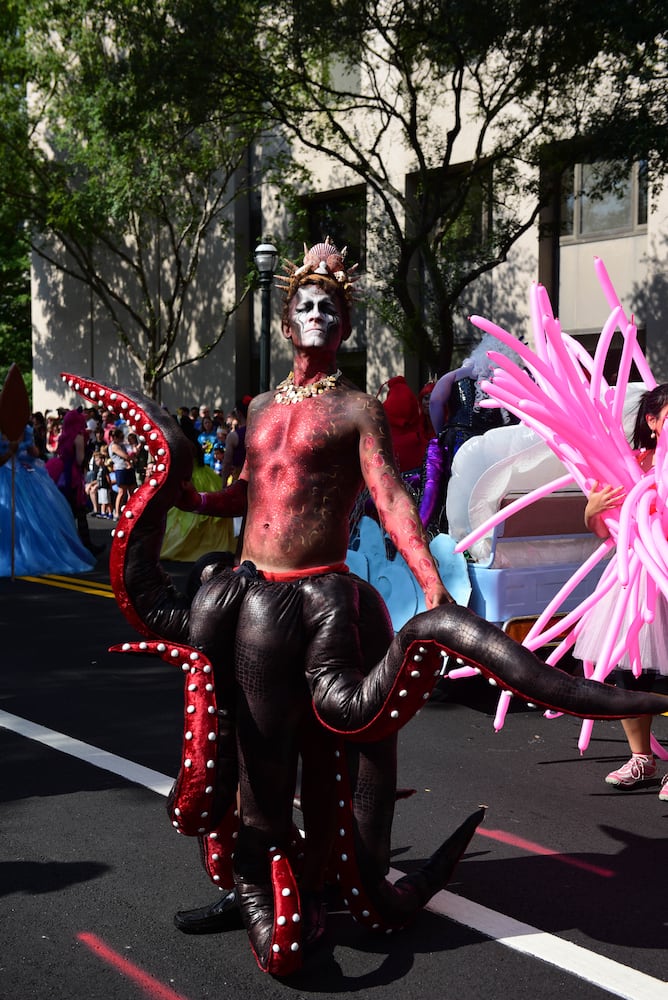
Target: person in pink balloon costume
641, 768
560, 391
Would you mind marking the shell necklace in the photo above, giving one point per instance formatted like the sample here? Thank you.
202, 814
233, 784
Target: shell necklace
287, 392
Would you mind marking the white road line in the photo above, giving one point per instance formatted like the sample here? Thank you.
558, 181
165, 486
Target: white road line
617, 979
153, 780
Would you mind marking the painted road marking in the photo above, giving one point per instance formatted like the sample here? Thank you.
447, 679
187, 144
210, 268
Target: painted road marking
531, 847
71, 583
145, 776
147, 983
617, 979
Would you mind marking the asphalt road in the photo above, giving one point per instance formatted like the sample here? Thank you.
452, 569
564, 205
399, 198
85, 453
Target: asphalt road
562, 893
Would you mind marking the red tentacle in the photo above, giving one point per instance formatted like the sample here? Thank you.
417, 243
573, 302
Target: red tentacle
191, 801
421, 667
217, 849
118, 401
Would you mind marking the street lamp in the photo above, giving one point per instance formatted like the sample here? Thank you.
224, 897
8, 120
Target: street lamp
266, 257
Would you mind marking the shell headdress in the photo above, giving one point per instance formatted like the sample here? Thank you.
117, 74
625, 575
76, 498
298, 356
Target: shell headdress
323, 259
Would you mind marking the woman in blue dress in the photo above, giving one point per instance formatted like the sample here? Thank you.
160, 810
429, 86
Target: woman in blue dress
45, 538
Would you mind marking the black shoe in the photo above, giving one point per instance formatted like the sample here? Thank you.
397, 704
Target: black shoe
223, 915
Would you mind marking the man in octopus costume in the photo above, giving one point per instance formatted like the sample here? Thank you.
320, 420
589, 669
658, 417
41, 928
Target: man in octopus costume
290, 658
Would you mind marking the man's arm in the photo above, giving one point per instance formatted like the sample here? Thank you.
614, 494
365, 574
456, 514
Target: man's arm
228, 502
398, 514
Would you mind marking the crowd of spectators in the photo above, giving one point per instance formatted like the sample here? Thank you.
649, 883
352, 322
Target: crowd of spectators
116, 461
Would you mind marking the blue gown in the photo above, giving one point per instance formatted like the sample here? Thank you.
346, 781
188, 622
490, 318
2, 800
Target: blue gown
45, 534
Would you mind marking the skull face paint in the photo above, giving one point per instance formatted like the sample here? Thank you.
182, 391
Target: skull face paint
314, 319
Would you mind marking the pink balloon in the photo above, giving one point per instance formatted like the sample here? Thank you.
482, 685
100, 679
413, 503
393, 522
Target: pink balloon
601, 352
501, 709
613, 301
585, 734
565, 399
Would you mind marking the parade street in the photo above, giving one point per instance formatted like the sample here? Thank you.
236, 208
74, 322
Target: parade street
562, 892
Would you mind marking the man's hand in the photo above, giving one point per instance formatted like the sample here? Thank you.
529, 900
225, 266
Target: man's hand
189, 499
437, 596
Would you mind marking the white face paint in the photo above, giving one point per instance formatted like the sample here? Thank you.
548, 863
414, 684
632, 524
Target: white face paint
315, 320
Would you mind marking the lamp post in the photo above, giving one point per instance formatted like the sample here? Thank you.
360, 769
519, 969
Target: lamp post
266, 256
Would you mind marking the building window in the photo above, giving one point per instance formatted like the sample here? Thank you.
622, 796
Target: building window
466, 210
341, 215
598, 200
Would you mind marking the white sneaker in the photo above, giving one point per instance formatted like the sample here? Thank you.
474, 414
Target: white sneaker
639, 770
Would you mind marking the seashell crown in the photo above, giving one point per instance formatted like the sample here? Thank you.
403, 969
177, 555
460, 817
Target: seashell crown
324, 259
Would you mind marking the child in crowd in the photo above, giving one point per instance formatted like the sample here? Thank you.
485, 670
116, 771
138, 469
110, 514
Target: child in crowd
218, 459
104, 488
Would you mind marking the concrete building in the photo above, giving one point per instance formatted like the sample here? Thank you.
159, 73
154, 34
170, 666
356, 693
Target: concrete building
628, 231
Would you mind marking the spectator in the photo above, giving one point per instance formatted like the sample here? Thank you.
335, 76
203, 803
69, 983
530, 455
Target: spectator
53, 428
39, 434
66, 469
103, 467
235, 444
405, 419
123, 469
206, 439
139, 455
108, 426
218, 458
221, 437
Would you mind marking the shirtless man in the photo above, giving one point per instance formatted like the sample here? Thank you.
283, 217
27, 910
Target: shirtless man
312, 444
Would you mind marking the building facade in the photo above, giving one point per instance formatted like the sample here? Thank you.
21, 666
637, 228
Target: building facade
628, 230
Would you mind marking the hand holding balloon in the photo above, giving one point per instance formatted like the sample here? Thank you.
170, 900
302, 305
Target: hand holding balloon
602, 499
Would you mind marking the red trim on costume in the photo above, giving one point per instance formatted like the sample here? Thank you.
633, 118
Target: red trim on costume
300, 574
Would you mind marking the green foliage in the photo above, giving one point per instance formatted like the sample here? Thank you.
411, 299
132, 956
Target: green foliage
151, 107
146, 123
519, 88
15, 330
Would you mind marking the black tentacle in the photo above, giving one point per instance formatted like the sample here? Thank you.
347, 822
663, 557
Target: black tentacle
374, 705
